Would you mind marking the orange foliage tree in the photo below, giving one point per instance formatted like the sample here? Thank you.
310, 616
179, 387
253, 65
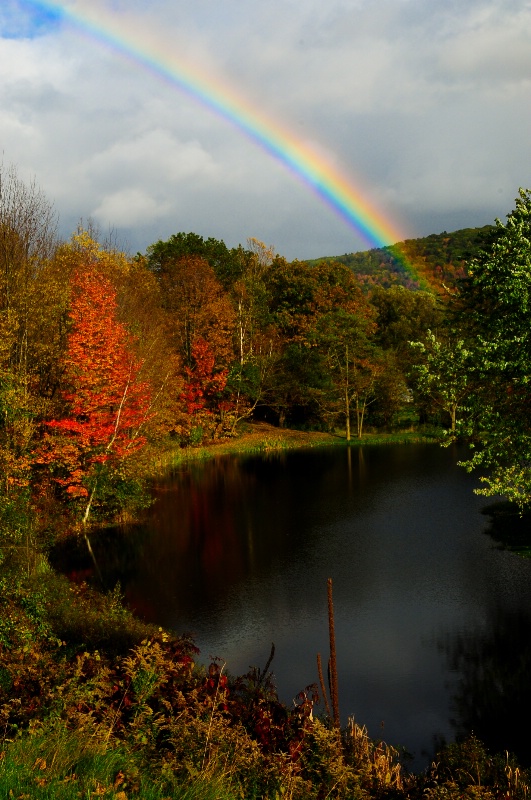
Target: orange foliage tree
204, 395
198, 307
105, 402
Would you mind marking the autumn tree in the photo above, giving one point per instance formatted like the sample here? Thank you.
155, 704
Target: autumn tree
197, 306
30, 302
322, 315
105, 402
27, 242
226, 264
140, 308
204, 396
352, 364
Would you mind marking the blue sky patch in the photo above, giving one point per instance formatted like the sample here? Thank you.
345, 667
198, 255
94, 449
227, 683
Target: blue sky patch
24, 19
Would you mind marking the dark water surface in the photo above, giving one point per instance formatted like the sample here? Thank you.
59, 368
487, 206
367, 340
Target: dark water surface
432, 620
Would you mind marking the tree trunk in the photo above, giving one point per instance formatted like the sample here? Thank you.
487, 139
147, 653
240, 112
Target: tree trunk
360, 413
347, 415
84, 528
453, 415
360, 422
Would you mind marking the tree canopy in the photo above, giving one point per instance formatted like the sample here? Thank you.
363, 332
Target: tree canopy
495, 308
192, 338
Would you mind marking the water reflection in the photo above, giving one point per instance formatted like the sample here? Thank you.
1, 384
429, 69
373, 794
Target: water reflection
510, 528
493, 695
238, 551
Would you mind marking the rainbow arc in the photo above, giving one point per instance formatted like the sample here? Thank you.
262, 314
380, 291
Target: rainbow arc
318, 173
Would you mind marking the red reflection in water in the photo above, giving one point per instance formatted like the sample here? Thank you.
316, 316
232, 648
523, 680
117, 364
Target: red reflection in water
198, 528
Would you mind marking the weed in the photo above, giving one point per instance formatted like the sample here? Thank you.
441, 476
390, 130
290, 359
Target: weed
378, 762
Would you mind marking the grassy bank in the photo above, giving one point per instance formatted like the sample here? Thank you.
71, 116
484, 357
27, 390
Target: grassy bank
260, 437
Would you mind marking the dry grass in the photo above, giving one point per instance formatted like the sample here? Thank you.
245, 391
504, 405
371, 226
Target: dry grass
257, 437
380, 761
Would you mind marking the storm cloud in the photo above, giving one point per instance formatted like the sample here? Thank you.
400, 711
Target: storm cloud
427, 105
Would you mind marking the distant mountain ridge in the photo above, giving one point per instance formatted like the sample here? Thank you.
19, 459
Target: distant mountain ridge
431, 261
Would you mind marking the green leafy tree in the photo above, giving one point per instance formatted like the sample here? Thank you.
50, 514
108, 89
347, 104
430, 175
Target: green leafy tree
300, 293
294, 385
352, 364
227, 264
249, 297
496, 305
305, 303
445, 373
392, 393
404, 316
255, 337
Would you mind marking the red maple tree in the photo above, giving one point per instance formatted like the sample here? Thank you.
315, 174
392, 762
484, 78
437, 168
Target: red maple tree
106, 402
204, 385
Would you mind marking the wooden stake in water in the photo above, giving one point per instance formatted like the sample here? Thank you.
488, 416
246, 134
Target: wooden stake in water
333, 659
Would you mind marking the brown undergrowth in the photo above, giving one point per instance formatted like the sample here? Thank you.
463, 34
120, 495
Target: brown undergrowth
164, 716
136, 716
94, 703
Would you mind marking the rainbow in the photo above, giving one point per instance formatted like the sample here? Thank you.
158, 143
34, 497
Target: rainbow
324, 178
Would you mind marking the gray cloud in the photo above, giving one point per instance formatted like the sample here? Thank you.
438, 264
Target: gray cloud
427, 104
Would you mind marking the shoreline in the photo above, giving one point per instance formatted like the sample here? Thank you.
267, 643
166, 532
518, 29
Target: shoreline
262, 437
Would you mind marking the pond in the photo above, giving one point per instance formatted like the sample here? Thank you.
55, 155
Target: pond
433, 621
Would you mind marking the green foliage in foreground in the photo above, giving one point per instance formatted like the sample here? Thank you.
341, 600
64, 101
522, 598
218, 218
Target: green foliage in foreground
497, 318
94, 703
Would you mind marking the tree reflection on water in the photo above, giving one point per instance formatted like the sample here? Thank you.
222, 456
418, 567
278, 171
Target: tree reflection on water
493, 695
238, 551
509, 528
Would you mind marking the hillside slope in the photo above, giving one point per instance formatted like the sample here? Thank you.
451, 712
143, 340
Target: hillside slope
424, 263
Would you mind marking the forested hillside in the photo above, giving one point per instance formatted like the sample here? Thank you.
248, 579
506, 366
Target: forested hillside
425, 263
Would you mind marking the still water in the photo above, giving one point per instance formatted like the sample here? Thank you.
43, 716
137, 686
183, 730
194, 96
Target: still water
433, 621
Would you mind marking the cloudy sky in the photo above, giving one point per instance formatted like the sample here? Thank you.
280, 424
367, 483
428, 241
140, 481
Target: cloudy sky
424, 106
